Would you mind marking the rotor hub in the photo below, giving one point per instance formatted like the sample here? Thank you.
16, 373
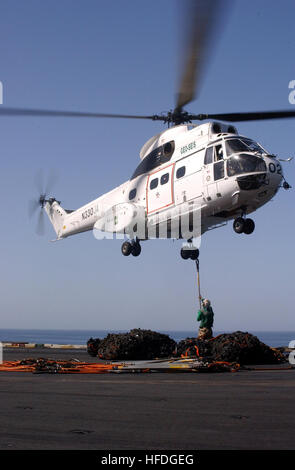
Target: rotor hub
42, 200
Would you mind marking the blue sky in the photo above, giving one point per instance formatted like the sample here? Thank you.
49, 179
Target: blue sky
123, 57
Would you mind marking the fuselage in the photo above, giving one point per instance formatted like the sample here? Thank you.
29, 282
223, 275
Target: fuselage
208, 171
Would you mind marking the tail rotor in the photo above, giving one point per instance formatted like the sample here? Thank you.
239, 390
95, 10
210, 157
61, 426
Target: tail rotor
39, 202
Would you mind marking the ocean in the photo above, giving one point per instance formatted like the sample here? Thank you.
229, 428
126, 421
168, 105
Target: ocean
80, 337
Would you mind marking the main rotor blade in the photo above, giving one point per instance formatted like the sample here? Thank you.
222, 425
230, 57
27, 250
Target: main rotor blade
51, 113
51, 182
43, 186
201, 26
33, 206
239, 117
39, 181
40, 228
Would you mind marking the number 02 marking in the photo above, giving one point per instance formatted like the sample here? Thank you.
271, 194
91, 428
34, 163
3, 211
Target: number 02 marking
275, 168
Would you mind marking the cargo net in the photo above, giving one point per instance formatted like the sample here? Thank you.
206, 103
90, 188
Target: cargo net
42, 365
185, 364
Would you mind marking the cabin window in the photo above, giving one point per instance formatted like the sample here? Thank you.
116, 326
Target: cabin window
132, 194
154, 183
180, 172
165, 178
209, 156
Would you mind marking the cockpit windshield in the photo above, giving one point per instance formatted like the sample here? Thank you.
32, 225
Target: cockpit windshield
242, 145
244, 163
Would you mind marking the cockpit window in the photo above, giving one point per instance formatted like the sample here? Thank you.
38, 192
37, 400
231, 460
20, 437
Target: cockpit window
244, 163
254, 146
218, 153
235, 146
219, 170
209, 156
242, 145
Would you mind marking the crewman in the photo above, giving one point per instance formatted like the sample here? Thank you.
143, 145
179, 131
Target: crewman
205, 316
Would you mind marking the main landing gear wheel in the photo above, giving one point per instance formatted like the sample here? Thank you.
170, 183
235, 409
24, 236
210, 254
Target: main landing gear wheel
129, 248
126, 248
136, 249
187, 253
241, 225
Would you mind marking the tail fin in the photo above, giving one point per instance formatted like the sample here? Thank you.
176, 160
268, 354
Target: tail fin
56, 215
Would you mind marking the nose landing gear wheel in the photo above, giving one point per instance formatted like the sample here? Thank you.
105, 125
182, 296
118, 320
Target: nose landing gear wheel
239, 225
249, 226
246, 226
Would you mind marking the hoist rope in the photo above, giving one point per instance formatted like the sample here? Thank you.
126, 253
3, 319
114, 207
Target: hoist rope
198, 282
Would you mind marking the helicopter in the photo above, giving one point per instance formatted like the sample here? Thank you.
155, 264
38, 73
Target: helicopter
191, 178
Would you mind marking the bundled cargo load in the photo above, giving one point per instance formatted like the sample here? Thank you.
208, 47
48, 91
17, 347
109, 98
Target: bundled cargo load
244, 348
237, 347
137, 344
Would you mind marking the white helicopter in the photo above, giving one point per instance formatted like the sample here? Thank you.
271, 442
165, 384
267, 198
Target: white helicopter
207, 173
191, 178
